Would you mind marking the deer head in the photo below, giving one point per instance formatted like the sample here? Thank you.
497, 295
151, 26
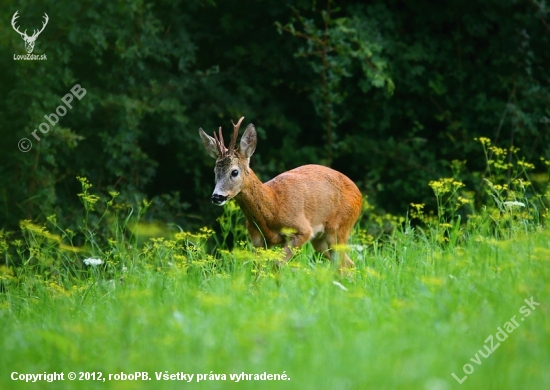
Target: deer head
29, 41
231, 167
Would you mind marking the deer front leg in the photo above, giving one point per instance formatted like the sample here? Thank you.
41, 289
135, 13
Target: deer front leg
256, 236
296, 239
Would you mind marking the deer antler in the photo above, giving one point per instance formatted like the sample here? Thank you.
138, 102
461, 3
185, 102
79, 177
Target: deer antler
24, 34
235, 134
15, 16
44, 23
220, 143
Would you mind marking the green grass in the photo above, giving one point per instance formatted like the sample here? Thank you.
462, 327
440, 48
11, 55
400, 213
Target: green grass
421, 304
414, 313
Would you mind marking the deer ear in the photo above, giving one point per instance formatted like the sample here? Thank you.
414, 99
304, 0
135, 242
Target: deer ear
209, 144
248, 141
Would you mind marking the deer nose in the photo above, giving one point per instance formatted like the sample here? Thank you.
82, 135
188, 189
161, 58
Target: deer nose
218, 199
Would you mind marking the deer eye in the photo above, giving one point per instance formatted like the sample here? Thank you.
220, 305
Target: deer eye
234, 173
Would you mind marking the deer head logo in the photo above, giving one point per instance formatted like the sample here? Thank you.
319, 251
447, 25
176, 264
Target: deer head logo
29, 41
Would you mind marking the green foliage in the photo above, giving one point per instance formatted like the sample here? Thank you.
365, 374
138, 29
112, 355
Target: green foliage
335, 46
387, 92
134, 73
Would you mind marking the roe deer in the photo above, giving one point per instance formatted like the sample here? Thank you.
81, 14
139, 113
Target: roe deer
311, 202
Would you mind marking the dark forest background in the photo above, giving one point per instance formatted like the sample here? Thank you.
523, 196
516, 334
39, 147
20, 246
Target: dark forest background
388, 92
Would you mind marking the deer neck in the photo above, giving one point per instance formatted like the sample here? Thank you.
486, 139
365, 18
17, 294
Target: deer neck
256, 200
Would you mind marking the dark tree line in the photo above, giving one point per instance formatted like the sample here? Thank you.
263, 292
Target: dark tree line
388, 92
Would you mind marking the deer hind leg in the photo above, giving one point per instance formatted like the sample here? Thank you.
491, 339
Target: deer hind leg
320, 244
339, 257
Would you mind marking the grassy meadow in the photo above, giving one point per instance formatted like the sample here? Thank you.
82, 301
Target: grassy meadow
437, 300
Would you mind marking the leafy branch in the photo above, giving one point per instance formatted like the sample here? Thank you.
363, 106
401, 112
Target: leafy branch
331, 50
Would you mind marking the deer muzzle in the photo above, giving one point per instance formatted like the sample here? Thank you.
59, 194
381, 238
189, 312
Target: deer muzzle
219, 199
